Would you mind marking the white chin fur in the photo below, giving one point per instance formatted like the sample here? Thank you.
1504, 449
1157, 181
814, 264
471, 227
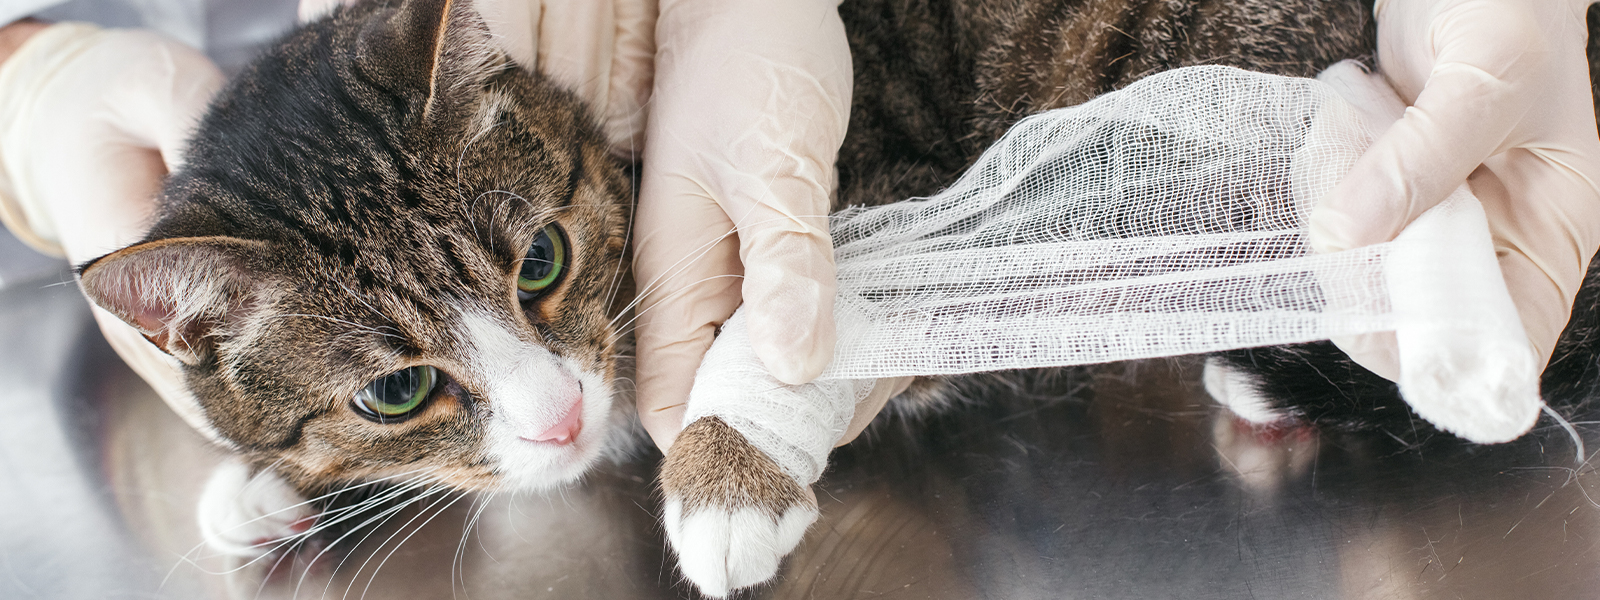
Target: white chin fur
721, 549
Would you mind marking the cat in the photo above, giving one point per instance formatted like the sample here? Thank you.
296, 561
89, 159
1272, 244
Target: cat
395, 256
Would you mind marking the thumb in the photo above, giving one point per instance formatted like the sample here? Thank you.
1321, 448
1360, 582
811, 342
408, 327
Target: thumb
1417, 162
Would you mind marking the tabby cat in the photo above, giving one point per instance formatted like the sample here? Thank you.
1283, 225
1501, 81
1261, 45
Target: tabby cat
394, 254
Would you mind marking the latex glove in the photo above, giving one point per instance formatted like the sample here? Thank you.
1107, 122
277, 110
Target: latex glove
602, 50
1500, 97
750, 107
91, 120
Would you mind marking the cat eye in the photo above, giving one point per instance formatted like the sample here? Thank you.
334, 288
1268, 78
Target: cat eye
396, 395
542, 266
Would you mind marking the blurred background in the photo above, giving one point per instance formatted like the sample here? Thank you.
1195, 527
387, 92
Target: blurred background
1121, 481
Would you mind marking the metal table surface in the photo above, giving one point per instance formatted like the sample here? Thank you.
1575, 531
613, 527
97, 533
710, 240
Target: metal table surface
1124, 482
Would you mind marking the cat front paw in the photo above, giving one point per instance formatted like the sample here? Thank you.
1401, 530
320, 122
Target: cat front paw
731, 513
249, 514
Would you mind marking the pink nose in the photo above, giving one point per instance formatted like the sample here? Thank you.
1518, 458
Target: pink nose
567, 430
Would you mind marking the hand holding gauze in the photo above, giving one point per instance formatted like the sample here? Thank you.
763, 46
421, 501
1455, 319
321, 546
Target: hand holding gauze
1500, 98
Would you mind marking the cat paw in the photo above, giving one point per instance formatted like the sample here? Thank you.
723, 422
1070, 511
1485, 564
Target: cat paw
250, 514
1235, 390
731, 513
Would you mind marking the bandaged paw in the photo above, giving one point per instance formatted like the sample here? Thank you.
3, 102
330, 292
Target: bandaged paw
795, 425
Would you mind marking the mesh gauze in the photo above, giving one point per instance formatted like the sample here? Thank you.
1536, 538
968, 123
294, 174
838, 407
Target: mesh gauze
1163, 219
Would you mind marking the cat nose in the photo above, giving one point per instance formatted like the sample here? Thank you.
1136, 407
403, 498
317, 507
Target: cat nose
567, 429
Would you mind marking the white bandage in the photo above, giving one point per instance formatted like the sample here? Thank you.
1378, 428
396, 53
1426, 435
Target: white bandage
795, 425
1163, 219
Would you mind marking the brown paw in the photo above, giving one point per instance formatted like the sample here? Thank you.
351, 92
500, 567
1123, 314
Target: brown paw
731, 512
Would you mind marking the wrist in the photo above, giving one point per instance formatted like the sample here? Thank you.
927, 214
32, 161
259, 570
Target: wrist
14, 34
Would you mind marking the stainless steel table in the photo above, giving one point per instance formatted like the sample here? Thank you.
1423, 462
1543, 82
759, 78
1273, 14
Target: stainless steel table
1123, 482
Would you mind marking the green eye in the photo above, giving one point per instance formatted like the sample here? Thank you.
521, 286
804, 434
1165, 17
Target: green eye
546, 259
396, 395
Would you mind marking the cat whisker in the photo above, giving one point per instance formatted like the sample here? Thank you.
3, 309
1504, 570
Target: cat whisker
262, 585
622, 329
355, 576
324, 497
323, 523
374, 577
494, 213
198, 548
627, 241
300, 538
673, 271
327, 520
679, 267
371, 526
462, 157
458, 563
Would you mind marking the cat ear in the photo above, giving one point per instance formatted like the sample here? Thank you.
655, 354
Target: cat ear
442, 47
175, 291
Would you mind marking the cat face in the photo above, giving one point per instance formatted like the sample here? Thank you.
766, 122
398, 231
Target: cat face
392, 252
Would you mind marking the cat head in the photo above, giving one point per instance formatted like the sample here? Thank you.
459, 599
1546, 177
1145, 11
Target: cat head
391, 251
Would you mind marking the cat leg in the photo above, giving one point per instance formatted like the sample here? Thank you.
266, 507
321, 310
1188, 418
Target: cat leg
245, 513
731, 513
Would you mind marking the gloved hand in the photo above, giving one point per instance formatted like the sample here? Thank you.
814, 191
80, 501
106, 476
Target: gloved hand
749, 109
91, 120
1500, 97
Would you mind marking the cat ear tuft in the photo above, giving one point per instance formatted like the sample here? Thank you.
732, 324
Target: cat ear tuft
175, 291
442, 47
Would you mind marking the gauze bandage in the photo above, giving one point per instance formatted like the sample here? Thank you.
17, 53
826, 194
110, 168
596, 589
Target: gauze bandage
1163, 219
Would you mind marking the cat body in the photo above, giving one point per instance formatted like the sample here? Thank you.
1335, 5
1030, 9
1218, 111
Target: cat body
394, 254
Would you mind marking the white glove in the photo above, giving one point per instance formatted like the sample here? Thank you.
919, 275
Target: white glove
91, 120
750, 107
1500, 97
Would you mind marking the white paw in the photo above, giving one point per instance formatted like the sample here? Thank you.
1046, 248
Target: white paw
1233, 389
249, 515
721, 550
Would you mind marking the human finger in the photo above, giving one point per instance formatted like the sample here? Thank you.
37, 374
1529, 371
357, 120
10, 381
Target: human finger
1468, 70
